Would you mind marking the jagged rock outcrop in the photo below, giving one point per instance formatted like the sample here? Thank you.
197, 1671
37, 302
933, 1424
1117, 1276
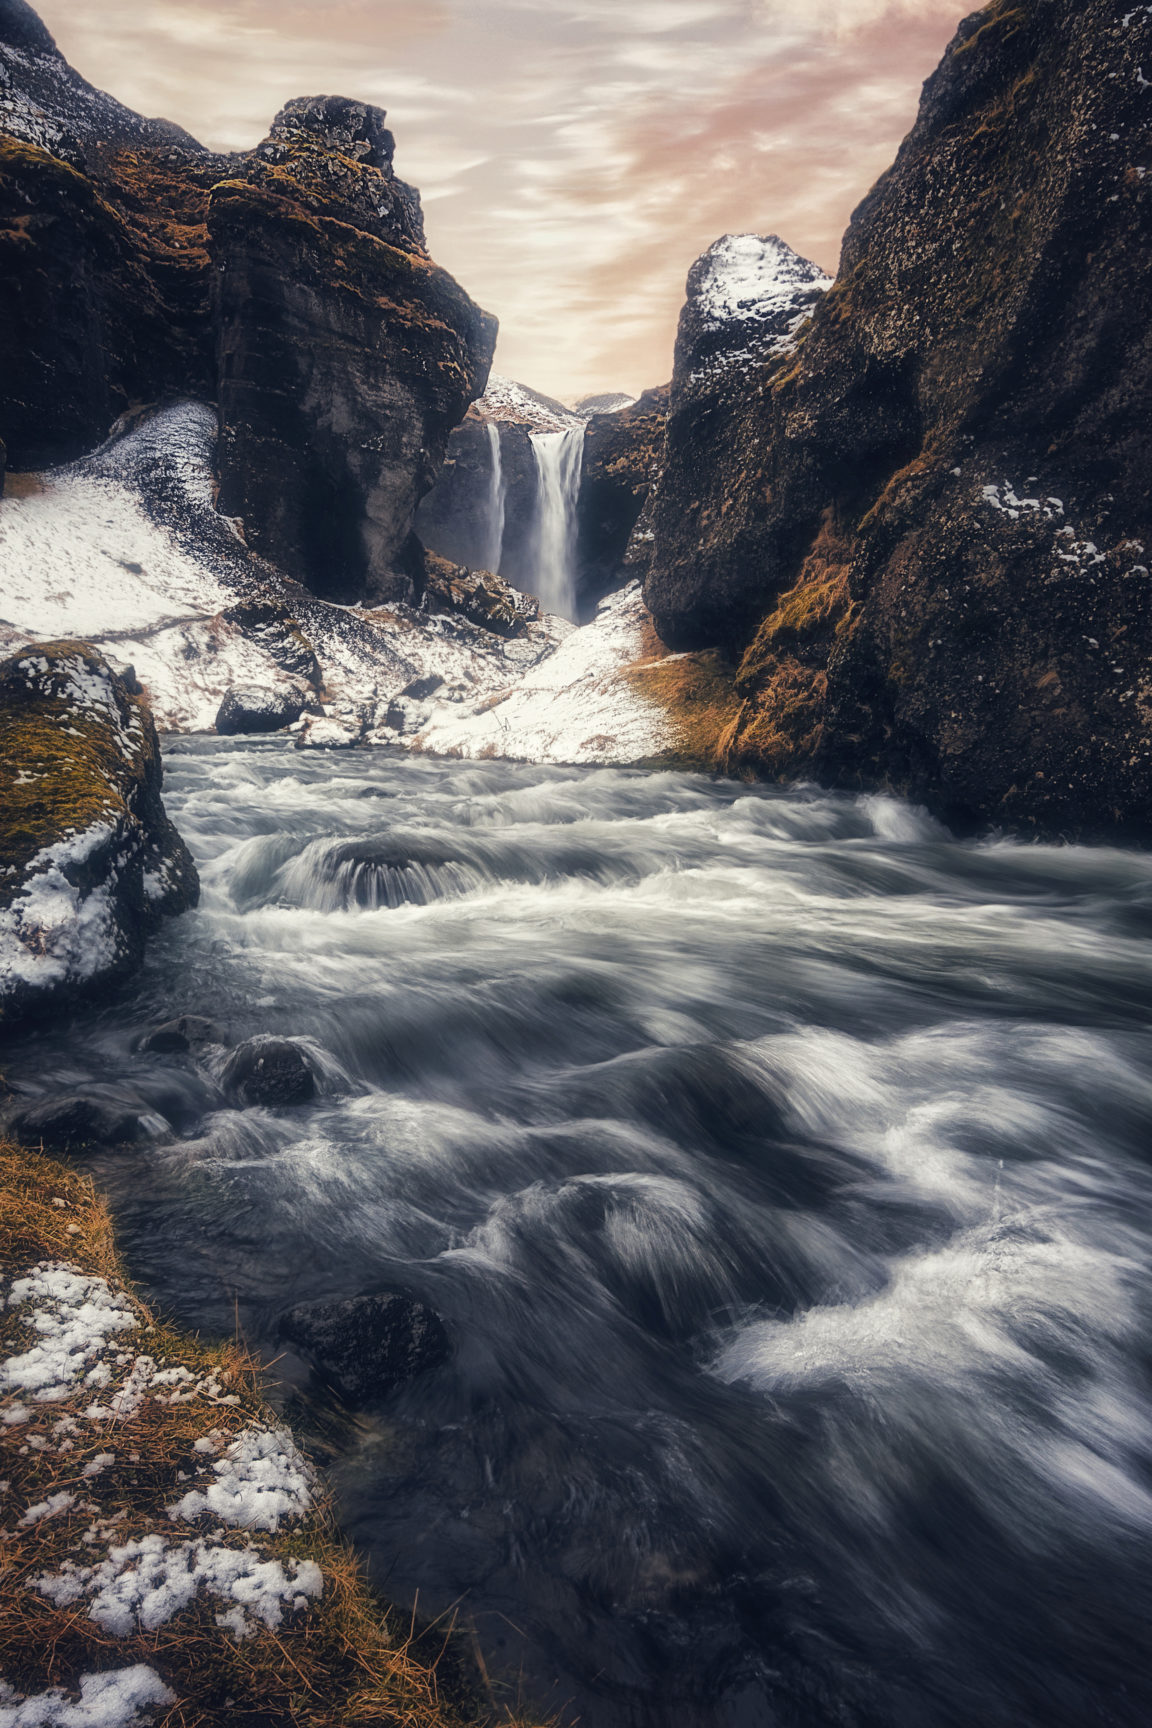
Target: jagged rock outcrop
926, 530
291, 285
623, 453
89, 862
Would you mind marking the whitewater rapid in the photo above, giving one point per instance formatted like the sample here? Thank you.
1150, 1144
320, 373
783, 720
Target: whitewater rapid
779, 1166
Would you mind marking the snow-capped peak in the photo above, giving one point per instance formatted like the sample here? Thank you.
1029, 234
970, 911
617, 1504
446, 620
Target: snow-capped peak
751, 278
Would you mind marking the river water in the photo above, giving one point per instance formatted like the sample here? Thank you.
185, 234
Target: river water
780, 1168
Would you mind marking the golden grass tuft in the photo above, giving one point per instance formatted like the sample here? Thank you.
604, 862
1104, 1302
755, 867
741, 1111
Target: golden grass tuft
347, 1660
697, 691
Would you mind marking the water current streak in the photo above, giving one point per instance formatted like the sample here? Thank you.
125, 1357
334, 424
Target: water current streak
779, 1167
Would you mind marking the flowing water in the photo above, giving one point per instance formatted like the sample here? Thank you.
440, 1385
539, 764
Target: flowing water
780, 1168
497, 503
559, 458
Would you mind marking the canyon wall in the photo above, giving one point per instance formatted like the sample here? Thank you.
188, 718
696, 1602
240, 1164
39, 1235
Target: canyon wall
291, 285
921, 528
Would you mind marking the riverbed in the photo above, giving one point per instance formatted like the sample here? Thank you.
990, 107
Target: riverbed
779, 1166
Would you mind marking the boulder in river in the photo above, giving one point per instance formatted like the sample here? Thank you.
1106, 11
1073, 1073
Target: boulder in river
188, 1032
273, 1071
89, 862
368, 1345
75, 1123
247, 711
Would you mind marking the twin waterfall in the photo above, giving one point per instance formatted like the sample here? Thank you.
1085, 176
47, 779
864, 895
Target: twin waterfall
551, 540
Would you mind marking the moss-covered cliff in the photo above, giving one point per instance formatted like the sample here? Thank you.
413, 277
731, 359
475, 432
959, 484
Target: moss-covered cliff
923, 530
291, 285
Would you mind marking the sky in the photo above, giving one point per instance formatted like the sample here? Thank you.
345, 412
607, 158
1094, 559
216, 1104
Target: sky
574, 156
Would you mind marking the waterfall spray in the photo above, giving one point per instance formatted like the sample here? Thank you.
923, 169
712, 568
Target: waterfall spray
559, 458
497, 501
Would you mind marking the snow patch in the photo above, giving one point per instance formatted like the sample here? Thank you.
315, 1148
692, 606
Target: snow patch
112, 1700
144, 1584
261, 1480
574, 707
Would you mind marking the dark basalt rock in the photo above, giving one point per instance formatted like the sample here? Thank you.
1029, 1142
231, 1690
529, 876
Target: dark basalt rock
623, 452
76, 1123
926, 530
477, 595
247, 711
89, 862
272, 1071
368, 1345
291, 285
179, 1037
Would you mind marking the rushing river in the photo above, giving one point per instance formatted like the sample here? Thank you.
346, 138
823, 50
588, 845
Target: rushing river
780, 1168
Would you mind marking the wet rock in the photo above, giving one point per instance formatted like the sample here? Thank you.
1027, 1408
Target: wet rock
179, 1037
366, 1346
89, 862
478, 596
247, 711
272, 1071
74, 1124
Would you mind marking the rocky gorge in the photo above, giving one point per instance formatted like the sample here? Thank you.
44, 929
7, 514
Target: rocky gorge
606, 994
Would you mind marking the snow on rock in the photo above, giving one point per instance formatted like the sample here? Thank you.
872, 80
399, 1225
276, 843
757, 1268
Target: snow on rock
504, 399
143, 1584
748, 296
112, 1700
576, 706
752, 278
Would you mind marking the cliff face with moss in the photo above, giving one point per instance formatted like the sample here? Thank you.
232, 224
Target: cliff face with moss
622, 456
922, 529
290, 285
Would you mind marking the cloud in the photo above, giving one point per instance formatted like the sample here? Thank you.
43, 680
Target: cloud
577, 155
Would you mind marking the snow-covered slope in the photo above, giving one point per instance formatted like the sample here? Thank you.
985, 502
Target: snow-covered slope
126, 550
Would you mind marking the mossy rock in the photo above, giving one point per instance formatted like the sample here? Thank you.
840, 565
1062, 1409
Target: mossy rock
89, 862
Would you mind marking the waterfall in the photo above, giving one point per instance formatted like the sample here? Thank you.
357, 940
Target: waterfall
497, 500
559, 458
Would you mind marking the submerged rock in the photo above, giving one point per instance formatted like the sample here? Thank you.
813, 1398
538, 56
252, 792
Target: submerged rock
178, 1037
272, 1071
74, 1124
89, 862
925, 528
246, 712
366, 1346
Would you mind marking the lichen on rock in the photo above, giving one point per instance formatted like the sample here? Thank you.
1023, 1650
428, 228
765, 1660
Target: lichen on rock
89, 862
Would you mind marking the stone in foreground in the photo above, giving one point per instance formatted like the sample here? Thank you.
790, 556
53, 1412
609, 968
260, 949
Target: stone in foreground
89, 862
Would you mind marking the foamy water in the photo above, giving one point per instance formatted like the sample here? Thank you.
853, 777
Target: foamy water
779, 1166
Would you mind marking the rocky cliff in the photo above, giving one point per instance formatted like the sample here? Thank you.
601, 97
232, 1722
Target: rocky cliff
89, 862
290, 285
923, 529
623, 451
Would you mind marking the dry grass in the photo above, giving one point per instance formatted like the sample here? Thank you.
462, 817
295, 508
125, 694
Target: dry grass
698, 694
346, 1659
